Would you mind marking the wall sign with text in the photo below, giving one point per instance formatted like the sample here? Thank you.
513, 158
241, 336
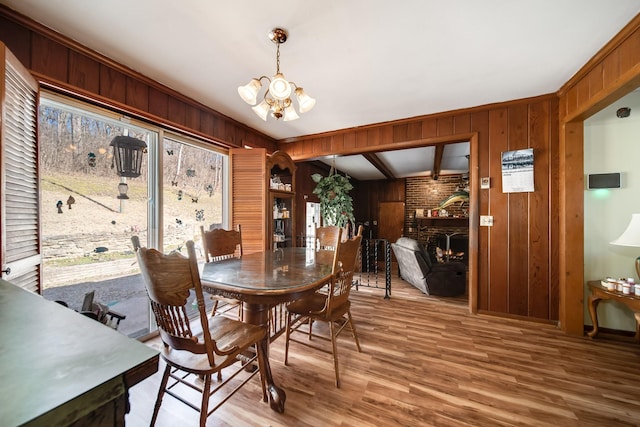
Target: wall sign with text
517, 171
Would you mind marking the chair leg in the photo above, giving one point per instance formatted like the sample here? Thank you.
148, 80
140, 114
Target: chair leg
204, 408
334, 350
286, 341
353, 330
163, 385
215, 306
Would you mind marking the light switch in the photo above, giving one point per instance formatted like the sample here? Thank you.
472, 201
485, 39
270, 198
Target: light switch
486, 220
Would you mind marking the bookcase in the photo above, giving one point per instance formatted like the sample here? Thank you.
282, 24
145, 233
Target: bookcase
281, 224
263, 198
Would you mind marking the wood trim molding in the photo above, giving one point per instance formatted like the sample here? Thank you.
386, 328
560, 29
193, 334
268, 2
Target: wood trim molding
623, 85
126, 110
474, 222
596, 59
443, 114
422, 142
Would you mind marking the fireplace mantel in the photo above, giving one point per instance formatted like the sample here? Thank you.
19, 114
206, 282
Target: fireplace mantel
445, 221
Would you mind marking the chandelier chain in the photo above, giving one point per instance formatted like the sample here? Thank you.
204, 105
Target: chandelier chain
278, 58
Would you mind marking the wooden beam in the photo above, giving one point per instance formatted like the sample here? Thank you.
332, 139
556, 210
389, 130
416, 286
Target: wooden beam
320, 165
375, 161
437, 161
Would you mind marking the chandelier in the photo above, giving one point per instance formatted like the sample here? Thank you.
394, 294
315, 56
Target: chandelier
277, 97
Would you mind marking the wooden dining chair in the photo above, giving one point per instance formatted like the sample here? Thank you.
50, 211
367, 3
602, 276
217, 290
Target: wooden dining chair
219, 244
328, 236
193, 350
333, 308
326, 242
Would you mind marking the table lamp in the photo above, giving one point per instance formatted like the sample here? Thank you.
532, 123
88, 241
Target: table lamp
631, 237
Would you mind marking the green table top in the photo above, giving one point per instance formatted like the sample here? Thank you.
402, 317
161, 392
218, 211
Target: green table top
51, 355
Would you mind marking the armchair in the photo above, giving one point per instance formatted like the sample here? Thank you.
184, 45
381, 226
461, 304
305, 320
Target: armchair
415, 266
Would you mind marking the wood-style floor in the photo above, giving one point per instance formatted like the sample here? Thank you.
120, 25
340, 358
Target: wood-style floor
426, 361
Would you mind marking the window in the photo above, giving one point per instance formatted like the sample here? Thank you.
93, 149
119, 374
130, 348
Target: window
193, 191
87, 222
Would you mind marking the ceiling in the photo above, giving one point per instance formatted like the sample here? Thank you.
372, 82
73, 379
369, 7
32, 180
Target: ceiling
365, 61
451, 159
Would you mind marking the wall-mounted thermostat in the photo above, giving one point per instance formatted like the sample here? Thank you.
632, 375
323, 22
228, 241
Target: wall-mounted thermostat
485, 183
603, 180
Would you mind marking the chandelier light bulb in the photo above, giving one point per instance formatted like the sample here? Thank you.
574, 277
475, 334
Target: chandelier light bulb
280, 87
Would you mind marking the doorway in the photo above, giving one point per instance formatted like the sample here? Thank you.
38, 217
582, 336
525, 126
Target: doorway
312, 221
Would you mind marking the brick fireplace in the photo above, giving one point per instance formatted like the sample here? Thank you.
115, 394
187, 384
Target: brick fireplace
426, 193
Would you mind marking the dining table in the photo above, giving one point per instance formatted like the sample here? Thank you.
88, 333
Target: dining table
262, 280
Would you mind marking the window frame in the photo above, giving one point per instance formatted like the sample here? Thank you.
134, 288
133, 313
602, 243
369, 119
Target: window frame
155, 167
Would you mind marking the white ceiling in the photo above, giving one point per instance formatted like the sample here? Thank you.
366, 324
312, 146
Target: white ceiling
404, 163
365, 61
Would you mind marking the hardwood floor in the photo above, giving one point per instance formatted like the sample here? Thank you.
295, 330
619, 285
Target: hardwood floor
426, 361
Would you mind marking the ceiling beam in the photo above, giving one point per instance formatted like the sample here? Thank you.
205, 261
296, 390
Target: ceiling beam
321, 165
377, 163
437, 161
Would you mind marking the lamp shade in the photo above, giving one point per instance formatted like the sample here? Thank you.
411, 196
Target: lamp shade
261, 110
631, 236
249, 92
305, 102
290, 114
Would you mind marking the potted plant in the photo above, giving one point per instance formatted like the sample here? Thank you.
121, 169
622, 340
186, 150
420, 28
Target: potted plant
336, 205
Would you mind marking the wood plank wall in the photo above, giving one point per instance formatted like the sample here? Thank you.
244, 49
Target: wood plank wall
517, 268
526, 225
61, 64
612, 73
366, 195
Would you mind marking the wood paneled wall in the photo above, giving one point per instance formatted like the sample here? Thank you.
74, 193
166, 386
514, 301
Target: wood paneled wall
370, 194
517, 266
366, 195
613, 72
527, 262
61, 64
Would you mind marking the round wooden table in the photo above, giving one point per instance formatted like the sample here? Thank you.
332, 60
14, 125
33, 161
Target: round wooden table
262, 280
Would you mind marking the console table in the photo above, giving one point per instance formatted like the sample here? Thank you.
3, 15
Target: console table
58, 367
600, 293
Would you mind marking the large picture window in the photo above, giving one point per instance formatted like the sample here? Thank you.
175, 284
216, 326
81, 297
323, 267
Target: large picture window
87, 220
192, 191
